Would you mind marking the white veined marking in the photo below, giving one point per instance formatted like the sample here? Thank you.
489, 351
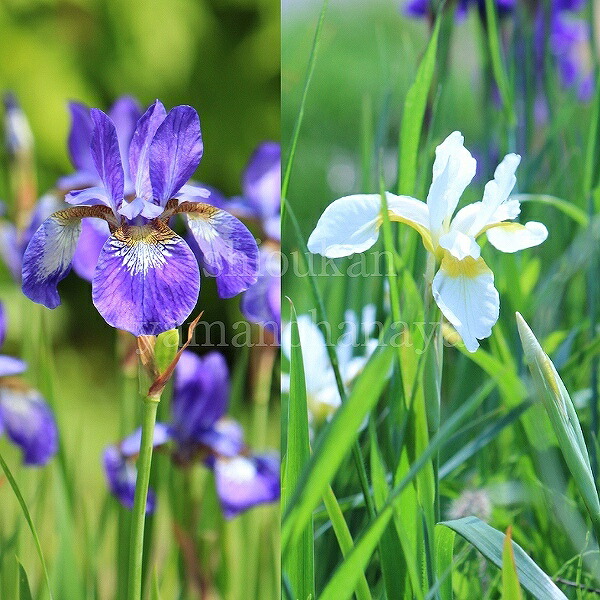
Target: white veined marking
60, 245
238, 470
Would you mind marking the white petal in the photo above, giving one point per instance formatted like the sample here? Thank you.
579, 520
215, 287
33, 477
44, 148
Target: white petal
460, 245
512, 237
410, 211
453, 170
317, 367
464, 290
497, 191
465, 218
348, 225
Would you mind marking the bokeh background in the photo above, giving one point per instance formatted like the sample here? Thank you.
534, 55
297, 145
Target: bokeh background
220, 56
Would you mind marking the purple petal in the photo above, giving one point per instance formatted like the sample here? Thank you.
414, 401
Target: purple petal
262, 179
272, 227
140, 146
11, 366
125, 113
47, 260
199, 192
243, 482
175, 152
200, 394
417, 8
94, 233
130, 446
227, 250
91, 196
225, 438
11, 250
29, 423
147, 280
80, 138
261, 303
121, 476
106, 155
3, 324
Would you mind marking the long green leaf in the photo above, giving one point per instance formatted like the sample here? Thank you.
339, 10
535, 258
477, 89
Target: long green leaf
511, 588
413, 115
15, 487
299, 561
490, 542
24, 589
344, 538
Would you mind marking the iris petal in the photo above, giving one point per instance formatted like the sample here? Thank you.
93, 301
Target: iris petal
140, 145
228, 250
175, 152
348, 225
29, 423
464, 290
512, 237
80, 136
9, 365
243, 482
262, 180
107, 157
200, 393
94, 234
147, 279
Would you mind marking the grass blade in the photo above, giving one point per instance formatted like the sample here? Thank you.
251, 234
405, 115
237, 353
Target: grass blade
285, 183
413, 116
15, 487
344, 538
490, 542
299, 560
24, 589
511, 588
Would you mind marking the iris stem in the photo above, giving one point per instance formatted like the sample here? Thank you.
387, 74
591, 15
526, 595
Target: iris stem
136, 547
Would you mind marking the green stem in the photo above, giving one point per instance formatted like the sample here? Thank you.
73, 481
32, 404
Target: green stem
136, 548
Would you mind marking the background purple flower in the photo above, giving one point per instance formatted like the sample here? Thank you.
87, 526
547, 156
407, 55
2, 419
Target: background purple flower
246, 481
199, 428
261, 303
24, 415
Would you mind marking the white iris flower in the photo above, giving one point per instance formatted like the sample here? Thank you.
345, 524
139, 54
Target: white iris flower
463, 287
353, 349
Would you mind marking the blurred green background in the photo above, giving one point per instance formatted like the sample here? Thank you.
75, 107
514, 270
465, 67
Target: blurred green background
220, 56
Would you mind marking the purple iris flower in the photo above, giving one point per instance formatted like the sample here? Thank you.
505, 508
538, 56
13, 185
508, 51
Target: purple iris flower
245, 481
199, 429
147, 278
24, 415
261, 189
262, 302
568, 37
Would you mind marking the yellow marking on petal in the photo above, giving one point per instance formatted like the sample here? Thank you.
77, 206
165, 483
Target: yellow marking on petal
510, 225
420, 229
467, 267
155, 232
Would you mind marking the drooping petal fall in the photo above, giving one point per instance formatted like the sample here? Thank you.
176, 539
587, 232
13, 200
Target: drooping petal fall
29, 423
464, 290
512, 237
47, 259
147, 279
228, 250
